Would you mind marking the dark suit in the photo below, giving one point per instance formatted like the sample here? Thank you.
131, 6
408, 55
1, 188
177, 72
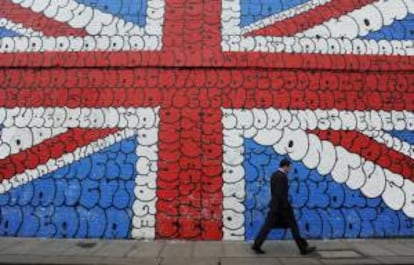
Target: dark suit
280, 211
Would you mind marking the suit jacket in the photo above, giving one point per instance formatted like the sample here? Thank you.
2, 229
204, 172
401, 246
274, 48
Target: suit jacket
281, 212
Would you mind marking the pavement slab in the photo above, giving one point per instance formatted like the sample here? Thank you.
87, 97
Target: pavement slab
336, 254
26, 247
130, 261
8, 242
46, 260
84, 248
237, 249
190, 261
396, 260
146, 249
330, 244
108, 252
208, 249
65, 260
116, 248
361, 261
300, 261
178, 249
369, 248
398, 248
250, 261
272, 248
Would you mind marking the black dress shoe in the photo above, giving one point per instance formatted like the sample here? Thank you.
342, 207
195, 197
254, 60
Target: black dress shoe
258, 250
307, 250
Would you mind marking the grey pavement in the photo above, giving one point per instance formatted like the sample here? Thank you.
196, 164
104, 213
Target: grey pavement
71, 251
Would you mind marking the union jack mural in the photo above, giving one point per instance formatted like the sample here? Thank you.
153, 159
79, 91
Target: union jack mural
165, 119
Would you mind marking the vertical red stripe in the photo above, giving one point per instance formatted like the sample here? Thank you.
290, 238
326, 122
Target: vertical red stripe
192, 34
211, 172
191, 206
169, 154
189, 196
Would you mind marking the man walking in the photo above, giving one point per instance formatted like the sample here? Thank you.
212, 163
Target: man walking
281, 213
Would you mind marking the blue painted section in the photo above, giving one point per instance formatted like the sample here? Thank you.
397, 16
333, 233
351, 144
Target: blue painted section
254, 10
399, 30
404, 135
8, 33
91, 198
134, 11
323, 208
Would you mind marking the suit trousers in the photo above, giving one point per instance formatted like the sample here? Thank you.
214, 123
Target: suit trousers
288, 222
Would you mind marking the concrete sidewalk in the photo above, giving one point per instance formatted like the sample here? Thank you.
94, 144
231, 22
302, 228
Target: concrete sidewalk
67, 251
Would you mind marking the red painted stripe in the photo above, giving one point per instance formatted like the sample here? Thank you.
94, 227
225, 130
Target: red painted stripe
211, 140
41, 81
313, 17
232, 89
174, 21
190, 174
182, 33
211, 58
37, 21
178, 200
184, 209
211, 172
189, 185
370, 149
169, 154
51, 148
211, 27
191, 32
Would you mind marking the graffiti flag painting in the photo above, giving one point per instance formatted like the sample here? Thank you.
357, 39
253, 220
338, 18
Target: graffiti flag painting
164, 119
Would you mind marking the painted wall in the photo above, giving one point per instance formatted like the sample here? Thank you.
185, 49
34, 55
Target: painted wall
165, 119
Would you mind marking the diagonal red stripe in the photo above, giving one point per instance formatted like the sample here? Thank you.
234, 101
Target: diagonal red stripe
307, 20
36, 21
51, 148
370, 149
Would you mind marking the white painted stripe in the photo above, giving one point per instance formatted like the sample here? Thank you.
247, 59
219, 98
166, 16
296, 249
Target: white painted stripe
63, 117
306, 45
155, 17
144, 206
272, 118
392, 142
233, 182
286, 14
19, 28
361, 22
78, 44
230, 17
54, 164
